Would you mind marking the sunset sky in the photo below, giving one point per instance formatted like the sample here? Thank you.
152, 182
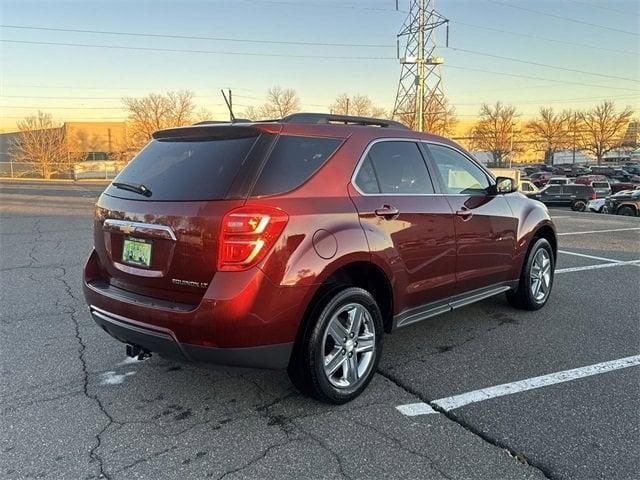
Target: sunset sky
87, 82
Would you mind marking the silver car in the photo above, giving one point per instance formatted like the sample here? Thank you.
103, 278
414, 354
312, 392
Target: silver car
602, 189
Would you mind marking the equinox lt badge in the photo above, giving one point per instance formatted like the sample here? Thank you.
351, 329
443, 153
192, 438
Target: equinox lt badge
189, 283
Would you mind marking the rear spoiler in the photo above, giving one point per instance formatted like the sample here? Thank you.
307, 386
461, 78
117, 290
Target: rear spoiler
209, 131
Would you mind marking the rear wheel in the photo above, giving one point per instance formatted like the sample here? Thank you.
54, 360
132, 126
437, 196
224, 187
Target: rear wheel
536, 279
627, 211
579, 206
339, 354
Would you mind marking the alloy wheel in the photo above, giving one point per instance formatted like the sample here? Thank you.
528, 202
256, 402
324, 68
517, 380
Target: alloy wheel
348, 346
540, 277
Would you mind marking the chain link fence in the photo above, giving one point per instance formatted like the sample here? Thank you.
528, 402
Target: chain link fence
90, 170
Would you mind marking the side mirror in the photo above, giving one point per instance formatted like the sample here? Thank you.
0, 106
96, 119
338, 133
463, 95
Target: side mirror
504, 185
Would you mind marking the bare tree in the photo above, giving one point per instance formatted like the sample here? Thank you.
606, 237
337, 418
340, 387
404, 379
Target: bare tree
495, 132
551, 130
155, 112
604, 128
359, 105
41, 143
341, 105
439, 118
280, 103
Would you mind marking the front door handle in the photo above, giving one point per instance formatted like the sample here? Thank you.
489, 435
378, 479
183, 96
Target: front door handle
387, 212
464, 213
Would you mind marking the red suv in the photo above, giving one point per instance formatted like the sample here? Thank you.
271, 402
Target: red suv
299, 243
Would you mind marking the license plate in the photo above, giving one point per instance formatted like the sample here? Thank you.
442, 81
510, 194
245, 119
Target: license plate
137, 251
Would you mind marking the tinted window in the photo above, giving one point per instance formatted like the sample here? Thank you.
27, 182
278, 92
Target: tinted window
366, 179
293, 161
553, 191
397, 168
600, 185
458, 173
185, 170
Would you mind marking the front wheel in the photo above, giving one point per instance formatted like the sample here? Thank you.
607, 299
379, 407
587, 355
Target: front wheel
536, 279
627, 211
339, 356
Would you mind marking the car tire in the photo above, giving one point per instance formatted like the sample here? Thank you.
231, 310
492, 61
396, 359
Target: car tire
627, 211
336, 370
579, 206
534, 287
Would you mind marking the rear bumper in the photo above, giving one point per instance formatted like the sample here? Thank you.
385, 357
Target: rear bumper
163, 342
242, 320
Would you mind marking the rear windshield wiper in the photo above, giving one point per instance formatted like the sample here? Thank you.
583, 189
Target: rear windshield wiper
141, 189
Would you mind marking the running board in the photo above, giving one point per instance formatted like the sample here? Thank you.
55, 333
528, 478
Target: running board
414, 315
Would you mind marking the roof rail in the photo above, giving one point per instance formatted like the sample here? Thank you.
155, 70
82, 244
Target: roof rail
222, 122
326, 118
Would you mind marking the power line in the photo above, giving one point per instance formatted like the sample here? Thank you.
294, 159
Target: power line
120, 47
559, 17
517, 102
545, 65
608, 9
555, 100
85, 87
517, 75
182, 50
329, 5
195, 37
547, 39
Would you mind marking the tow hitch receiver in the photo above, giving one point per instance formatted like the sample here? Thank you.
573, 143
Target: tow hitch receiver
136, 351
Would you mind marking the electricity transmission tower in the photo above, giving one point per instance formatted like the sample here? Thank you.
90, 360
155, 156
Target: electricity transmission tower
420, 98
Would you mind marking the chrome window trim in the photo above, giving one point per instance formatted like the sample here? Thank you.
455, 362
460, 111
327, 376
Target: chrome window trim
123, 225
490, 176
364, 156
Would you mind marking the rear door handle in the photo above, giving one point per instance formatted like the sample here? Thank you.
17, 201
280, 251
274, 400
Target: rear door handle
464, 213
387, 212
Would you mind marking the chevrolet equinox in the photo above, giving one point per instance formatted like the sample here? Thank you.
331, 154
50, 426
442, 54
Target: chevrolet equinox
299, 243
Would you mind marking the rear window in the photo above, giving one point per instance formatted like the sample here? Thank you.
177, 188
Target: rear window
293, 160
600, 185
185, 170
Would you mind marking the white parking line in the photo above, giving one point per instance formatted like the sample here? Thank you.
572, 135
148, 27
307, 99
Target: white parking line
590, 256
457, 401
595, 267
599, 231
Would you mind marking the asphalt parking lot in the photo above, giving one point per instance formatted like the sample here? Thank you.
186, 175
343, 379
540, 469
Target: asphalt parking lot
73, 407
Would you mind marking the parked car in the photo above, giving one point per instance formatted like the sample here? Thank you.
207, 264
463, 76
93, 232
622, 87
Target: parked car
624, 176
580, 170
624, 203
573, 195
526, 171
540, 179
597, 205
589, 179
559, 181
618, 186
298, 243
632, 168
527, 187
602, 189
607, 171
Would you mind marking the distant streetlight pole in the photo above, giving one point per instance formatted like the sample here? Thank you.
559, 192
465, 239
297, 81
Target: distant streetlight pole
511, 146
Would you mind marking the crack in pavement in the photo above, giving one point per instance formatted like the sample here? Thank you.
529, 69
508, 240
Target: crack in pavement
93, 453
399, 444
520, 457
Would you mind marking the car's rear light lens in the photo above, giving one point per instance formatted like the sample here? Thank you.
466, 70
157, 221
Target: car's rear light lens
247, 235
593, 195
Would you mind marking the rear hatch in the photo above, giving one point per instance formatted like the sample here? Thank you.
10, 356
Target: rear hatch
157, 224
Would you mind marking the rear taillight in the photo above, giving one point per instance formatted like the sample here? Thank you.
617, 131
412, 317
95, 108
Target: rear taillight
247, 234
593, 195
